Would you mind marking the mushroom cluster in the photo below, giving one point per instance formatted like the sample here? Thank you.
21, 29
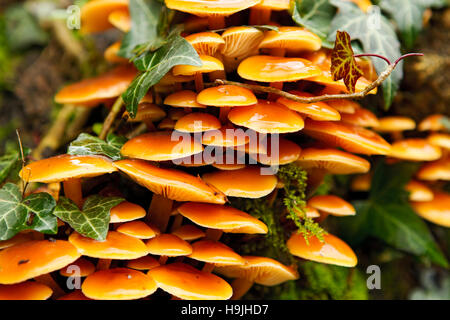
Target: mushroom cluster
194, 146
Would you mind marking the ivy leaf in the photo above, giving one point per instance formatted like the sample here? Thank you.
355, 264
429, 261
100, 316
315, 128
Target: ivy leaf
93, 220
343, 63
154, 65
85, 144
314, 15
376, 35
7, 163
144, 25
41, 205
12, 214
387, 215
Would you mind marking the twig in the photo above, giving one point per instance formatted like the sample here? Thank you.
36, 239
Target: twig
357, 95
111, 117
24, 184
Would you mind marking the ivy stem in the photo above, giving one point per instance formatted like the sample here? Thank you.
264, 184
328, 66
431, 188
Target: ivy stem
115, 109
408, 55
372, 55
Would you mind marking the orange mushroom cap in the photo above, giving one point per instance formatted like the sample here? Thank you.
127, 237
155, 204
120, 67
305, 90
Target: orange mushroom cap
138, 229
82, 266
64, 167
395, 124
126, 211
226, 136
220, 217
276, 69
189, 232
351, 138
436, 211
168, 245
291, 38
94, 14
74, 295
283, 153
146, 111
33, 258
197, 122
226, 96
440, 139
325, 78
93, 91
319, 111
332, 204
267, 117
172, 184
116, 246
415, 150
260, 270
209, 64
332, 251
437, 170
203, 8
333, 160
434, 122
143, 263
111, 55
206, 43
120, 19
216, 253
186, 282
361, 117
28, 290
246, 183
419, 191
183, 99
21, 237
344, 105
118, 284
362, 182
161, 146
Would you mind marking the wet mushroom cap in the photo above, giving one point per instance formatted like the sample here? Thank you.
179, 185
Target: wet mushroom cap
161, 146
111, 53
333, 160
183, 99
361, 117
434, 122
126, 211
332, 204
146, 111
226, 96
143, 263
118, 284
361, 183
94, 14
267, 117
418, 191
33, 258
276, 69
189, 232
65, 167
116, 246
79, 268
291, 38
276, 5
138, 229
226, 136
168, 245
436, 170
248, 182
215, 252
120, 19
440, 139
394, 124
220, 217
206, 43
197, 122
415, 149
260, 270
332, 251
344, 105
203, 8
209, 64
173, 184
21, 237
28, 290
284, 152
186, 282
436, 211
350, 138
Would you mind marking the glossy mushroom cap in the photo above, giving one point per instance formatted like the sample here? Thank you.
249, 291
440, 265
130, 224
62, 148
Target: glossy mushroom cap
197, 122
206, 43
436, 211
94, 14
361, 183
215, 253
33, 258
276, 69
183, 99
173, 184
333, 160
118, 284
361, 117
226, 96
325, 78
111, 55
220, 217
281, 153
343, 105
138, 229
333, 205
267, 117
147, 111
28, 290
260, 270
143, 263
226, 136
92, 91
332, 251
126, 211
120, 19
209, 64
437, 170
434, 122
291, 38
319, 111
189, 232
186, 282
64, 167
419, 191
350, 138
440, 139
203, 8
80, 268
168, 245
21, 237
395, 124
415, 150
116, 246
245, 183
276, 5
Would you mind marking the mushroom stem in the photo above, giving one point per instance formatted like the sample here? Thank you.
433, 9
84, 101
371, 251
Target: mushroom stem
240, 287
163, 260
115, 110
323, 216
72, 190
159, 211
48, 280
103, 264
178, 220
216, 22
214, 234
208, 267
198, 77
315, 179
397, 135
275, 85
223, 114
150, 125
278, 52
259, 16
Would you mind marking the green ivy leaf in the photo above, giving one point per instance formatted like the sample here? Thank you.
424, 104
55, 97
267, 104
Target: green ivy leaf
40, 206
93, 220
379, 39
144, 25
388, 216
85, 144
7, 163
314, 15
154, 65
12, 214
